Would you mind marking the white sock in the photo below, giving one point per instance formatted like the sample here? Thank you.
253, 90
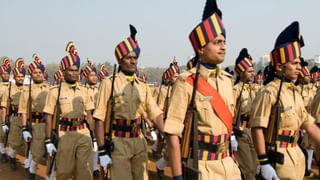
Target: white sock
309, 160
33, 167
27, 162
2, 148
161, 163
11, 152
95, 161
154, 146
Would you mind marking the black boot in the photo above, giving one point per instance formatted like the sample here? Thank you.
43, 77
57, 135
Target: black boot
96, 173
4, 158
160, 173
31, 176
13, 164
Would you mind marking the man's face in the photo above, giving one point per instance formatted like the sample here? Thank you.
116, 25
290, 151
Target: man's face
129, 63
248, 75
292, 69
259, 79
37, 75
307, 79
19, 78
5, 76
174, 78
92, 78
214, 52
72, 73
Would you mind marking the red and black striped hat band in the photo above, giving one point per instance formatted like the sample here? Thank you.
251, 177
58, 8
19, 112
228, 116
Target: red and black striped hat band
243, 65
206, 31
285, 53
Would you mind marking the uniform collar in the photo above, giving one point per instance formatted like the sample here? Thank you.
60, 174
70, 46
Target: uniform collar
41, 84
6, 83
206, 73
73, 86
128, 78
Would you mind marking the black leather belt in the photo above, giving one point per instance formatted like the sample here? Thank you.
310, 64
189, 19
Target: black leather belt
214, 148
288, 139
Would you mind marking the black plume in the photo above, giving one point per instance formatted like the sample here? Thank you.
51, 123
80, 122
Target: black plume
210, 8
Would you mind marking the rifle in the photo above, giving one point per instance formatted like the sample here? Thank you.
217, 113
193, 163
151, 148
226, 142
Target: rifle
272, 131
9, 112
191, 127
55, 132
108, 123
236, 122
159, 95
29, 123
166, 108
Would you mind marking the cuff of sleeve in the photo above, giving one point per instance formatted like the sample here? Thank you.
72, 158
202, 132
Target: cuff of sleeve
308, 122
177, 177
47, 140
263, 159
259, 122
173, 127
24, 128
102, 150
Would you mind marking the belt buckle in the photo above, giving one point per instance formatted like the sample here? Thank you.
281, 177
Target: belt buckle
135, 128
76, 123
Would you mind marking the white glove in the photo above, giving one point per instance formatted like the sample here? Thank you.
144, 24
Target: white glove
5, 128
234, 143
154, 135
267, 172
50, 148
27, 136
105, 160
95, 146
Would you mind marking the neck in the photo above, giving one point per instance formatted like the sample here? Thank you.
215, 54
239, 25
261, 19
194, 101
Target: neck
285, 79
19, 84
70, 82
5, 80
127, 73
90, 83
37, 82
209, 66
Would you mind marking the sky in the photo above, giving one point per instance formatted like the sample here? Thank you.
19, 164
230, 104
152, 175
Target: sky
97, 26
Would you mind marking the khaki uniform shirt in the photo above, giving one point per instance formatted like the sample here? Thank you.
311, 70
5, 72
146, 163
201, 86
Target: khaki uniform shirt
160, 98
14, 95
315, 107
208, 123
308, 93
130, 99
3, 88
248, 94
74, 104
92, 91
38, 96
293, 116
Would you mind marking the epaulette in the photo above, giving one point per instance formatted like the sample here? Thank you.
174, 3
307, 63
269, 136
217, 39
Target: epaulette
183, 76
225, 73
54, 86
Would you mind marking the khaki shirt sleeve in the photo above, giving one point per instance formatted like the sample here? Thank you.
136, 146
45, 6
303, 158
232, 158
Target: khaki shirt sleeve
23, 102
307, 118
174, 123
103, 97
153, 110
261, 109
89, 102
315, 108
4, 100
51, 101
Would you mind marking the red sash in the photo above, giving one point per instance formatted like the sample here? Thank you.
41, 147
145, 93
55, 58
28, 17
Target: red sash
217, 103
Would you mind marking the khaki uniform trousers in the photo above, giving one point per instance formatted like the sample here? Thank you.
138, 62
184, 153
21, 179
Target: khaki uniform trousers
129, 159
2, 134
74, 156
38, 147
294, 164
246, 155
15, 138
224, 169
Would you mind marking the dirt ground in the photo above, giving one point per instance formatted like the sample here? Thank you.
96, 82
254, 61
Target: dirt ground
7, 174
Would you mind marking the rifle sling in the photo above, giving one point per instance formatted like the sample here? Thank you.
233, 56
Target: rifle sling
217, 103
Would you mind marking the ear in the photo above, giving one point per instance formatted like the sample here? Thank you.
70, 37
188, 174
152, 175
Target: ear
200, 52
278, 67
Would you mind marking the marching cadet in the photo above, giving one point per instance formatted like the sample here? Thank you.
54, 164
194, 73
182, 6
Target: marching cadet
10, 104
130, 96
307, 92
214, 103
38, 96
258, 80
5, 70
244, 92
58, 77
73, 155
314, 76
173, 71
102, 73
279, 136
90, 73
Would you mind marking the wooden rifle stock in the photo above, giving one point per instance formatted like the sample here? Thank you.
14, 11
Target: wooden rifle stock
269, 135
185, 140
